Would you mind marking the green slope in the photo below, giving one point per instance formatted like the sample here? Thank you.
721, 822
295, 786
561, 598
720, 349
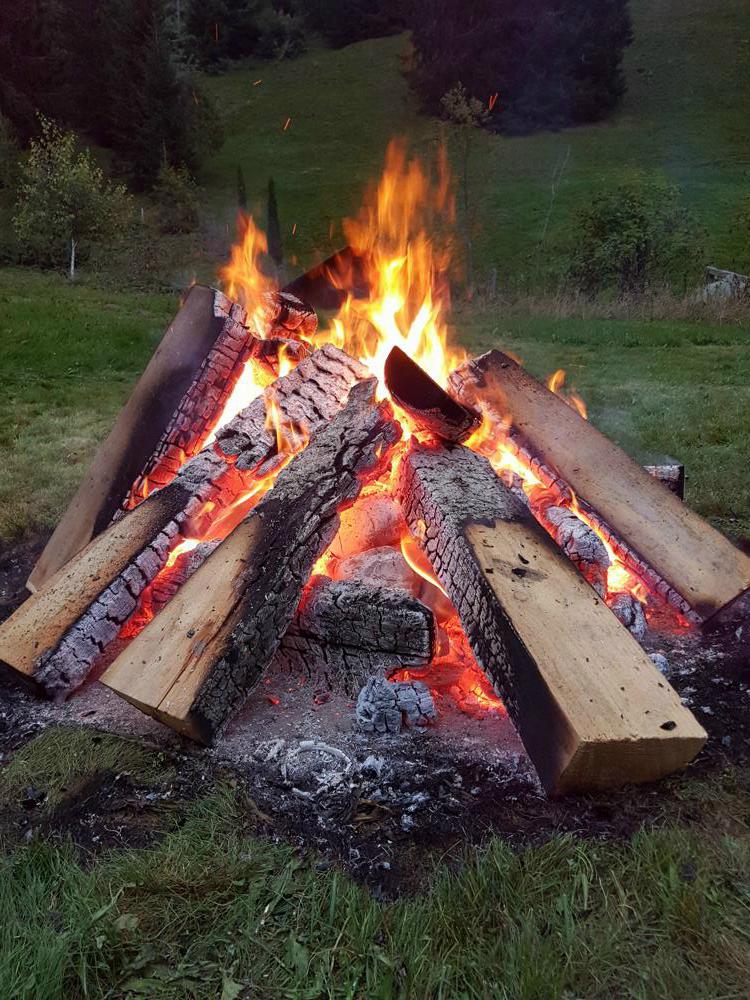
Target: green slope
685, 114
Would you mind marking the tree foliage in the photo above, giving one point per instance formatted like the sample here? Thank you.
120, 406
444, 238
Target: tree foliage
114, 71
537, 64
63, 197
342, 22
636, 235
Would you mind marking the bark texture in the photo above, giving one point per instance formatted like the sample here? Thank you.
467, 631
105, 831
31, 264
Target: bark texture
298, 519
307, 397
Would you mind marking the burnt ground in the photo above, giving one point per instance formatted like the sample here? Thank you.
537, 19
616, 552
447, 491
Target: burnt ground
386, 808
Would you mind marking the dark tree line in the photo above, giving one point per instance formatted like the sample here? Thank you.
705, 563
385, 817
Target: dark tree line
537, 64
109, 69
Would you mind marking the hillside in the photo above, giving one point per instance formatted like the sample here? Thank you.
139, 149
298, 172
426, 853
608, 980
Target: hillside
684, 114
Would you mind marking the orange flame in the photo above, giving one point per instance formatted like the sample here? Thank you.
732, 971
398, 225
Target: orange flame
556, 382
405, 270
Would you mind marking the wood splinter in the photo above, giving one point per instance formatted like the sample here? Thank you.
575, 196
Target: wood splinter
193, 666
590, 706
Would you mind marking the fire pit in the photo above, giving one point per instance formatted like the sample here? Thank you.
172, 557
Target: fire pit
367, 509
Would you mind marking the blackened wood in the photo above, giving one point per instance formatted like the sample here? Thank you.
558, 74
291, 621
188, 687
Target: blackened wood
429, 407
669, 473
141, 423
590, 706
308, 397
327, 285
286, 315
688, 554
346, 631
195, 663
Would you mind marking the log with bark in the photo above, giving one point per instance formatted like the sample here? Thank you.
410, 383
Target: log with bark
588, 703
193, 666
326, 285
676, 552
429, 406
73, 624
346, 631
208, 326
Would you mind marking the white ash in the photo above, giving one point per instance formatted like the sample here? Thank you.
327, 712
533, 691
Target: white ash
630, 613
581, 545
385, 707
660, 662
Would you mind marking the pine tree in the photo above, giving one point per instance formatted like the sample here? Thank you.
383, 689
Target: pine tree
241, 189
273, 227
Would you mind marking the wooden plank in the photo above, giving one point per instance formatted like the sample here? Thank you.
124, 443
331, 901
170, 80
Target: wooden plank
590, 706
41, 621
694, 559
124, 453
195, 663
326, 285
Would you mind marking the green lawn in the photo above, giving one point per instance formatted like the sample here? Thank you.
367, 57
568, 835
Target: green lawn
685, 114
211, 912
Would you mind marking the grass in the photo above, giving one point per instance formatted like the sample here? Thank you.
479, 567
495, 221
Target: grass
210, 912
684, 115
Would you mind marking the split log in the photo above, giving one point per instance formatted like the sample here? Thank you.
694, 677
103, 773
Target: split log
77, 635
429, 406
669, 473
346, 631
588, 703
686, 555
208, 323
286, 316
326, 285
193, 666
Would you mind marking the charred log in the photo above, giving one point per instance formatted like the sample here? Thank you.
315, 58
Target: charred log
429, 406
590, 707
674, 551
74, 637
195, 664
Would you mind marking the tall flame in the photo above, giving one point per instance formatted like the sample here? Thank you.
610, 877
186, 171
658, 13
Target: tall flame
404, 268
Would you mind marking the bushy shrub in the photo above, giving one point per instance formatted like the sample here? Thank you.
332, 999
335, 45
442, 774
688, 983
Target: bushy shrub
537, 64
636, 235
280, 35
176, 200
64, 196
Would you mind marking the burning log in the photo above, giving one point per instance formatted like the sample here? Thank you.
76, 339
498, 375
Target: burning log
372, 522
349, 630
287, 316
71, 636
675, 551
581, 545
589, 705
429, 406
201, 349
327, 285
193, 666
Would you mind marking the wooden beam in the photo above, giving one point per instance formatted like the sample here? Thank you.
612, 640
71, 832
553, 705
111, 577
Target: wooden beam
141, 423
80, 630
427, 404
590, 706
193, 666
693, 558
326, 285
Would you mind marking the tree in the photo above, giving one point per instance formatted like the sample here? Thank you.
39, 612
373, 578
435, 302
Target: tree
342, 22
273, 227
633, 236
222, 29
64, 200
540, 64
176, 199
8, 154
241, 189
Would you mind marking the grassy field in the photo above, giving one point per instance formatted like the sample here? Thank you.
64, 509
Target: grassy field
685, 115
209, 912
